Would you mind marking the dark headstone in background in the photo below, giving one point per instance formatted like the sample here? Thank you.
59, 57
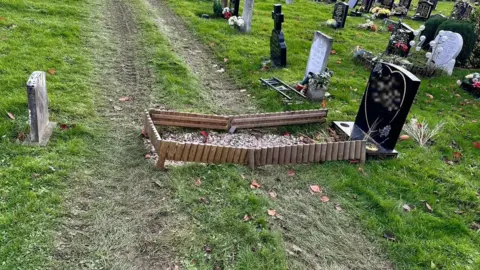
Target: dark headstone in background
340, 12
424, 9
278, 48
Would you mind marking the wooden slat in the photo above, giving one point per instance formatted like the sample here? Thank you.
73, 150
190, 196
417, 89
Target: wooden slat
306, 152
269, 155
251, 158
288, 154
182, 124
329, 151
263, 157
243, 156
335, 151
162, 153
230, 155
346, 150
318, 152
172, 147
323, 155
179, 152
300, 154
193, 151
218, 155
184, 118
275, 157
225, 153
352, 149
341, 146
236, 155
258, 153
358, 150
186, 152
311, 153
281, 154
278, 123
199, 153
293, 158
363, 154
206, 153
211, 156
279, 117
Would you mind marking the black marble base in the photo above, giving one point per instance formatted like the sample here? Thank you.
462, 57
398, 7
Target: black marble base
344, 130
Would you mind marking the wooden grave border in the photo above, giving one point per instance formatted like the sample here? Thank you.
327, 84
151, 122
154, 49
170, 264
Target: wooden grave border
253, 157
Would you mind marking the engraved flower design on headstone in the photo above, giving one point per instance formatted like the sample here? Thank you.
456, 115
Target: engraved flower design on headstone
384, 132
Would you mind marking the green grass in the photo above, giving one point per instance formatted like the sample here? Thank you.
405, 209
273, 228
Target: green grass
442, 238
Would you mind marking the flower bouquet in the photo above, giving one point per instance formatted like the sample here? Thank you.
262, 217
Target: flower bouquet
236, 22
471, 83
317, 85
369, 25
380, 13
332, 23
227, 13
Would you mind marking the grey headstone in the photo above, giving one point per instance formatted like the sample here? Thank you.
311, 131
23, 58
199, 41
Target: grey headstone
319, 53
40, 127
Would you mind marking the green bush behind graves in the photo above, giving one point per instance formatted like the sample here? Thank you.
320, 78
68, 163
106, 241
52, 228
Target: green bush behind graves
467, 31
431, 27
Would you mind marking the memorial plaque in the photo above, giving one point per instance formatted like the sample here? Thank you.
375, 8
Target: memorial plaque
319, 53
387, 100
40, 127
424, 9
340, 12
278, 48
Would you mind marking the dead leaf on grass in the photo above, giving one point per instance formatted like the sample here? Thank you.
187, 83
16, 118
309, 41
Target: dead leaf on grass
333, 52
429, 208
117, 108
198, 182
338, 207
148, 156
457, 155
459, 212
406, 208
21, 136
246, 218
324, 199
360, 170
64, 127
51, 71
429, 96
315, 189
476, 145
124, 99
291, 172
2, 19
225, 60
272, 194
203, 200
475, 226
254, 184
271, 212
212, 44
404, 137
324, 104
11, 115
339, 62
35, 175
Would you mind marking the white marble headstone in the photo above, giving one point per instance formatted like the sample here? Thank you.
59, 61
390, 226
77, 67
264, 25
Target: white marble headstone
451, 48
319, 53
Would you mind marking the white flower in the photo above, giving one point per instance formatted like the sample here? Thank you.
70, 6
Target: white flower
432, 43
418, 49
422, 38
474, 80
416, 33
232, 20
412, 43
440, 49
459, 82
225, 10
428, 55
422, 27
469, 76
240, 22
444, 38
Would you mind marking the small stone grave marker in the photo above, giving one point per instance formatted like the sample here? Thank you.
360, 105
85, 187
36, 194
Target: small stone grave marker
319, 53
278, 48
340, 12
424, 9
40, 126
451, 44
461, 11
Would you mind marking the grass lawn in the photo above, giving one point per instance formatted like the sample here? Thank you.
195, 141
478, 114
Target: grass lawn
441, 239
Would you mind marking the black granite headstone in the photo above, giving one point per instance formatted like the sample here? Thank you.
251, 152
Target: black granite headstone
235, 5
461, 11
340, 12
385, 105
424, 9
388, 4
278, 48
435, 3
405, 3
399, 43
366, 5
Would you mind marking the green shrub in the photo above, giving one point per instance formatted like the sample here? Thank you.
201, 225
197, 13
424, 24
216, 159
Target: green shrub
217, 8
475, 57
431, 26
467, 31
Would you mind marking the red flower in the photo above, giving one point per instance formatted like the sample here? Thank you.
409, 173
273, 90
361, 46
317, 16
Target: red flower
227, 15
401, 46
476, 85
391, 28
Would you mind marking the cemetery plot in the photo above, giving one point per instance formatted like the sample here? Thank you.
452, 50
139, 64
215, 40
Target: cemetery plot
288, 152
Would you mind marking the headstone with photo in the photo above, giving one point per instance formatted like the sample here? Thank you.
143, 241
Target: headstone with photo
40, 126
399, 43
461, 11
423, 12
340, 12
278, 47
319, 53
448, 47
387, 100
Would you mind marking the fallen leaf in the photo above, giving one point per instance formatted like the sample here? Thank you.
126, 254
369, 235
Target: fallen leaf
21, 136
474, 121
333, 52
324, 103
198, 182
457, 95
291, 172
339, 61
338, 207
124, 99
204, 200
457, 155
212, 44
286, 134
354, 161
271, 212
148, 156
389, 236
51, 71
315, 188
35, 175
404, 137
355, 196
220, 70
360, 170
11, 116
207, 249
429, 96
254, 184
324, 199
64, 127
406, 208
2, 19
225, 60
272, 194
117, 108
205, 135
429, 208
475, 226
476, 145
246, 218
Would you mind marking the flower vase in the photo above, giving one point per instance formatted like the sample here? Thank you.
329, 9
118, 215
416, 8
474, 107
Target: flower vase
316, 93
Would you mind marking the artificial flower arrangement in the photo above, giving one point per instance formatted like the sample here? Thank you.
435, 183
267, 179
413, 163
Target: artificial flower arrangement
471, 83
400, 10
236, 22
227, 13
379, 12
315, 85
369, 25
332, 23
